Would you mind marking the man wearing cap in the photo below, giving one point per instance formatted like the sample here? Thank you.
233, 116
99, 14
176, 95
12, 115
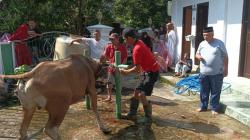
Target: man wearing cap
213, 67
109, 54
143, 60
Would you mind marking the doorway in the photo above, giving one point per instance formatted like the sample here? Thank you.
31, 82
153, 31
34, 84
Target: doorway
201, 23
244, 67
187, 24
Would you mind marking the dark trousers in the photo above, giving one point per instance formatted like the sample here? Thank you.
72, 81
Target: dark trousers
210, 84
147, 83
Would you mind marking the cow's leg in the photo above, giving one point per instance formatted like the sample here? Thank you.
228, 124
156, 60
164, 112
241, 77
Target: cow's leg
27, 116
56, 116
93, 97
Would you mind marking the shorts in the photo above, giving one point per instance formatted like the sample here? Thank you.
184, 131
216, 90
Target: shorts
110, 78
147, 82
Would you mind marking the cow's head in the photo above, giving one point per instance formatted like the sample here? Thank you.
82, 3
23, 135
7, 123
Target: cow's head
101, 70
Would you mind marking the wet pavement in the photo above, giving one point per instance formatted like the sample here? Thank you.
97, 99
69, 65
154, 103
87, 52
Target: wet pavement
174, 118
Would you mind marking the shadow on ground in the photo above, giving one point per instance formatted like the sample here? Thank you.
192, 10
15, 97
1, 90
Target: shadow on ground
197, 127
134, 132
161, 101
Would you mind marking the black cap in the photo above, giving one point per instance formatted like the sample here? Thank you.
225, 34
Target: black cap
208, 30
129, 32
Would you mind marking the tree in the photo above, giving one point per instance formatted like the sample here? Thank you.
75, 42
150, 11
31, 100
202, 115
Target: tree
69, 16
136, 13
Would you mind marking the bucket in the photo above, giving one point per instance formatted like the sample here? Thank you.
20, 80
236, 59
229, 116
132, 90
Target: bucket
63, 48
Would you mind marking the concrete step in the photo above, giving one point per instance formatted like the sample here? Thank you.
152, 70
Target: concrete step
235, 101
239, 86
237, 107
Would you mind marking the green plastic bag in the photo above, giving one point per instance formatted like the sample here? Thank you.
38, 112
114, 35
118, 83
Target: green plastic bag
21, 69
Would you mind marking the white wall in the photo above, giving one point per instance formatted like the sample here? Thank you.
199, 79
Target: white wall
225, 16
233, 34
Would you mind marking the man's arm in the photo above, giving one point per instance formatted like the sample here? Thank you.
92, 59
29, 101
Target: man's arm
125, 55
124, 61
79, 40
75, 40
225, 56
135, 69
225, 66
199, 57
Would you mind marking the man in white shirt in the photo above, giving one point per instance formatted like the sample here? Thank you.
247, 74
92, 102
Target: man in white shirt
95, 44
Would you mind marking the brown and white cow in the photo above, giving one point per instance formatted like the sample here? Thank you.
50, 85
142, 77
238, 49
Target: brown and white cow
54, 86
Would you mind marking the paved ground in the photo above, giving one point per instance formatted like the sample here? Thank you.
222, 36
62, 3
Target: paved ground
174, 118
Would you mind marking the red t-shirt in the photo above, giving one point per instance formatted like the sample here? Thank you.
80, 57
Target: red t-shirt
23, 55
144, 57
21, 33
109, 53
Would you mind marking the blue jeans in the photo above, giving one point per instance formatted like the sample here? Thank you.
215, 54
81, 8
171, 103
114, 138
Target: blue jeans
213, 84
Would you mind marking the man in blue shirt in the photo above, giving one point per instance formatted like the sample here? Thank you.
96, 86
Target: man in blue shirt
213, 67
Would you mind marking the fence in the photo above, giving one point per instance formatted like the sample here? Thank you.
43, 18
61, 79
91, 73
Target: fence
42, 47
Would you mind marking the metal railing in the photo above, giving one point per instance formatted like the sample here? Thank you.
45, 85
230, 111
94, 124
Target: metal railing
42, 47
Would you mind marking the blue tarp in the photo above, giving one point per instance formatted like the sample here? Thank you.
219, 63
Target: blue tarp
192, 83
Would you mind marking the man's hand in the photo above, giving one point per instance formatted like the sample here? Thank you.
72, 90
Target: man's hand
102, 59
77, 40
123, 71
71, 43
199, 57
225, 73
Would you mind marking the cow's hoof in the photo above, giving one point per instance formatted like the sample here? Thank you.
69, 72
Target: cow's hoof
106, 130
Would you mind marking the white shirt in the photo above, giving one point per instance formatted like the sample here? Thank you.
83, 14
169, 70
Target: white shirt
96, 47
171, 44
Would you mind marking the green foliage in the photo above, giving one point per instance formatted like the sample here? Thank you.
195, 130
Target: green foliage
136, 13
68, 16
11, 14
21, 69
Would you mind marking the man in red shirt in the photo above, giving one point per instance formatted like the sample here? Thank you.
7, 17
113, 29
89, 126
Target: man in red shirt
144, 61
22, 33
109, 54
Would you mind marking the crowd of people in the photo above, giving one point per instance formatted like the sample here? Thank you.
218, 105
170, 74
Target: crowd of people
162, 43
151, 54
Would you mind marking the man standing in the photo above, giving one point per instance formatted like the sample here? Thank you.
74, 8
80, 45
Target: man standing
213, 67
109, 54
96, 44
144, 60
171, 41
21, 34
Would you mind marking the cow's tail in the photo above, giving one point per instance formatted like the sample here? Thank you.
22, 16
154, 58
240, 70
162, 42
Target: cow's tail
24, 75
